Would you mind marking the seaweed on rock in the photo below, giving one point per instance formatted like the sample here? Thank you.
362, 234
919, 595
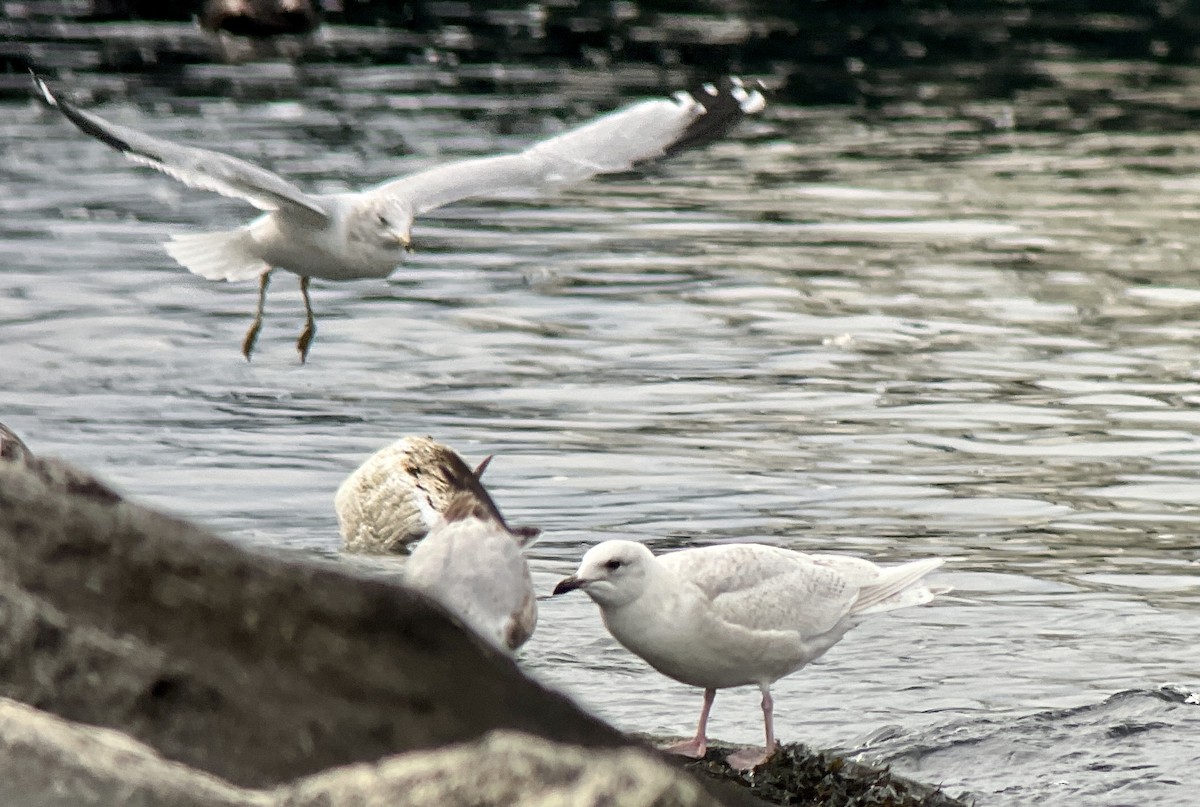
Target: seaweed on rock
797, 775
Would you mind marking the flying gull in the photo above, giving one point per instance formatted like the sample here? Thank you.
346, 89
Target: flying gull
738, 614
344, 236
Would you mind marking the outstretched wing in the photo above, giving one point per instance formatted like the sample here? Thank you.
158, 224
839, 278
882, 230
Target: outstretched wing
197, 168
614, 142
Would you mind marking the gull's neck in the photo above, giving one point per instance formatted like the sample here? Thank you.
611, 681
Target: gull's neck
660, 593
660, 623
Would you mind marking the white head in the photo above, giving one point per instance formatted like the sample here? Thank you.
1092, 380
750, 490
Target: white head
613, 573
384, 222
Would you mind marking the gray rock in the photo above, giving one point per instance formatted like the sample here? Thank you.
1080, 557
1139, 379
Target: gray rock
502, 769
244, 665
50, 762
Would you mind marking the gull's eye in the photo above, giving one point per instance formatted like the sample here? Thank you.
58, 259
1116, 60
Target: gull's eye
383, 219
613, 565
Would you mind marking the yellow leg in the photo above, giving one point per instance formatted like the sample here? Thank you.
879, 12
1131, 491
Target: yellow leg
256, 326
310, 325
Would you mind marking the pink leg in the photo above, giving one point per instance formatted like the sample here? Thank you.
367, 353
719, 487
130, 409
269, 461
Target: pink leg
750, 758
696, 746
768, 707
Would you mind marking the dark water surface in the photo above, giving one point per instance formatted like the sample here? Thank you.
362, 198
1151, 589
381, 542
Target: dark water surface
923, 332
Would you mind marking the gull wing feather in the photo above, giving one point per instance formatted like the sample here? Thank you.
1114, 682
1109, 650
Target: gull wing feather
197, 168
611, 143
765, 588
899, 587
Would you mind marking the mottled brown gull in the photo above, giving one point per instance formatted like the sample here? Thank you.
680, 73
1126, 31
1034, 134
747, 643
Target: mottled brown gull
346, 236
392, 500
738, 614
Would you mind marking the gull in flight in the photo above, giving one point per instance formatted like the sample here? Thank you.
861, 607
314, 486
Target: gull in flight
737, 614
345, 236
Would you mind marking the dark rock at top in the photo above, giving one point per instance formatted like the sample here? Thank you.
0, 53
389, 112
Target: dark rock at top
865, 52
260, 19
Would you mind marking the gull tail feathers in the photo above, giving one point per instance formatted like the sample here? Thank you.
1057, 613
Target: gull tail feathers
225, 255
899, 587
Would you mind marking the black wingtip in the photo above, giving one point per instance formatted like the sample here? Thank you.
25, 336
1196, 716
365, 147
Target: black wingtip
725, 103
86, 123
43, 90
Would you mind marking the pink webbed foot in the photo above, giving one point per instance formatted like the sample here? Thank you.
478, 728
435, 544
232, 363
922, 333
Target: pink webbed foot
750, 758
698, 745
693, 748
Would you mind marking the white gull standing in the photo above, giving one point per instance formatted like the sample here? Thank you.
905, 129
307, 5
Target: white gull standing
345, 236
738, 614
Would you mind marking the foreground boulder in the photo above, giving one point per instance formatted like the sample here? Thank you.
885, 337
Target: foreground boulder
51, 762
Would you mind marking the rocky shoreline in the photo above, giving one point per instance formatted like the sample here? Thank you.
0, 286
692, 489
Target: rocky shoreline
146, 661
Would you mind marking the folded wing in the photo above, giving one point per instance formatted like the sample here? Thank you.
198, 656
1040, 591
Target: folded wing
765, 588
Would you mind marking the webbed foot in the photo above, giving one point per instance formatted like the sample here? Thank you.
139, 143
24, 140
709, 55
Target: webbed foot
749, 758
693, 748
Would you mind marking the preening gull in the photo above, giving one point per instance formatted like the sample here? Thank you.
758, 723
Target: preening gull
738, 614
474, 564
344, 236
392, 499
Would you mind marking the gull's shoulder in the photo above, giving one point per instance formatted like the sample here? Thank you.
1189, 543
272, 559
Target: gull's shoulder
765, 589
859, 572
723, 568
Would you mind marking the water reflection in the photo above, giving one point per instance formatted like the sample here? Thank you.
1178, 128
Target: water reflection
892, 334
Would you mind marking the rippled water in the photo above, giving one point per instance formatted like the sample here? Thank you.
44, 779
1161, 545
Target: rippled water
919, 333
